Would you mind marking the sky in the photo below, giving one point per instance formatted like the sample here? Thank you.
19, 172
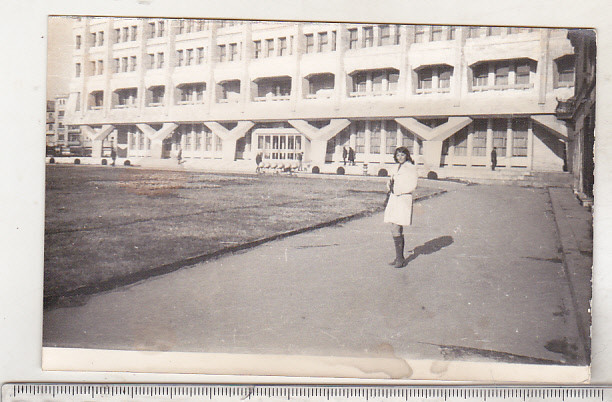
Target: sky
59, 55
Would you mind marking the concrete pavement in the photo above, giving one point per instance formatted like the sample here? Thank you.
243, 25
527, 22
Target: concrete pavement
488, 280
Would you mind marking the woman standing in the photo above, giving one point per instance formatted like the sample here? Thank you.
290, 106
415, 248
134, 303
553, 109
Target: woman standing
399, 207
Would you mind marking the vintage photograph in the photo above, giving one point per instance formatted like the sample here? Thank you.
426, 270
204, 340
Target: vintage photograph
352, 190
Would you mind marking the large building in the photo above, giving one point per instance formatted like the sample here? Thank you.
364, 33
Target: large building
579, 112
228, 90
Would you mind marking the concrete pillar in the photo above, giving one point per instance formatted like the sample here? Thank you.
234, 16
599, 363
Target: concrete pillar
432, 152
318, 149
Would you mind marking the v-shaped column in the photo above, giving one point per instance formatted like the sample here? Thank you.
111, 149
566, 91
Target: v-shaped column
433, 137
97, 137
319, 137
157, 137
229, 137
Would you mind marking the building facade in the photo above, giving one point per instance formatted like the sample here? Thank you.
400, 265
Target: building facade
228, 90
579, 113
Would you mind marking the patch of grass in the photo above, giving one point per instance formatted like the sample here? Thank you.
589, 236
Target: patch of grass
103, 223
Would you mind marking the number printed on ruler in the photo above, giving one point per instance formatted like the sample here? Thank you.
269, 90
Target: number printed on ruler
30, 392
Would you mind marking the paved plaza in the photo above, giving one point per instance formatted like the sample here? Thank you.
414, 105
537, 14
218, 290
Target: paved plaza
489, 279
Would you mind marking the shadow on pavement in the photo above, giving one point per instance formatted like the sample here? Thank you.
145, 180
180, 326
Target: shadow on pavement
431, 247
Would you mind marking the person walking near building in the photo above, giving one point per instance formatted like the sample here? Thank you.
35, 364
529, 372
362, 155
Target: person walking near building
493, 158
300, 156
258, 160
351, 156
113, 156
398, 211
179, 155
344, 154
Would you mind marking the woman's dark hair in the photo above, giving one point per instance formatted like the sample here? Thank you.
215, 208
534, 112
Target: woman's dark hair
405, 151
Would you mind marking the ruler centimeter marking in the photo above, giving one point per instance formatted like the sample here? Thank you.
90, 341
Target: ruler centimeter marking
34, 392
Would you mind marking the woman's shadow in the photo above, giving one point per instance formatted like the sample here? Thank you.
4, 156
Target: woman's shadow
430, 247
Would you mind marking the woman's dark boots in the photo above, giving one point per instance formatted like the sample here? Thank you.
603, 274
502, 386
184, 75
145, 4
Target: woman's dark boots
399, 252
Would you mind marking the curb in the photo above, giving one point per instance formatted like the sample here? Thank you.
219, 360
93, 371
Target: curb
130, 279
568, 246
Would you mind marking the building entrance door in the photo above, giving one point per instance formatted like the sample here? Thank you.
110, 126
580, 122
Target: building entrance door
279, 146
167, 148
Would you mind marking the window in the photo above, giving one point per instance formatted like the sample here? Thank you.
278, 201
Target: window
384, 37
133, 63
481, 75
93, 39
180, 58
352, 38
78, 41
436, 32
100, 67
117, 35
191, 93
377, 82
282, 46
78, 70
323, 42
333, 41
160, 29
565, 71
189, 58
257, 49
500, 134
474, 32
368, 36
126, 97
160, 60
150, 60
501, 73
523, 71
269, 47
479, 139
200, 55
134, 33
520, 135
419, 34
309, 43
233, 51
444, 77
117, 65
390, 136
100, 38
375, 137
461, 140
230, 90
180, 29
494, 31
425, 78
321, 85
398, 34
92, 67
434, 79
222, 54
126, 34
452, 32
151, 30
360, 137
124, 64
157, 95
274, 88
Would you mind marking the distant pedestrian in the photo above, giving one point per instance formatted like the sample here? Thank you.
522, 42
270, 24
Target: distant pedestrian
179, 155
300, 156
351, 156
344, 154
258, 160
493, 158
398, 211
113, 156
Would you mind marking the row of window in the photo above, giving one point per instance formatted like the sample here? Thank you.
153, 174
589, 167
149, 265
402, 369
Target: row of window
364, 83
508, 136
362, 37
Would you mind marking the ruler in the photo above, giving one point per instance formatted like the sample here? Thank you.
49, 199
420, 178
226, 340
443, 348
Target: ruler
177, 392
